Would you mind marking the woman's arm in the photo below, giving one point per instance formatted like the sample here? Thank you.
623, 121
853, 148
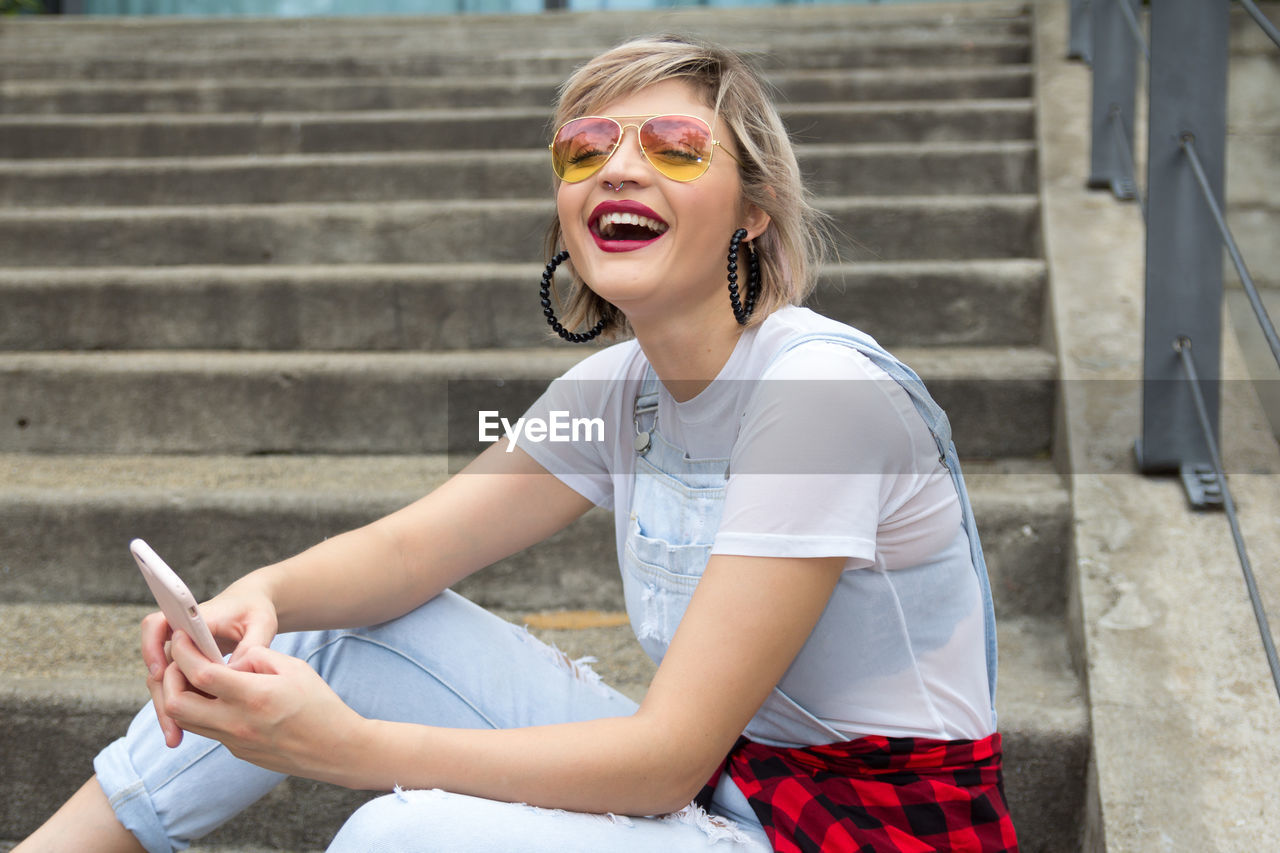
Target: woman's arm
384, 569
746, 622
500, 503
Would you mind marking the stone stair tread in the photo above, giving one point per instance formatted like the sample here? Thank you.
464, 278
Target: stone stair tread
482, 81
172, 276
507, 364
457, 114
962, 226
351, 478
436, 31
64, 520
931, 14
410, 44
941, 168
1000, 398
417, 33
45, 136
1038, 684
831, 204
982, 51
824, 203
36, 97
218, 162
992, 363
362, 306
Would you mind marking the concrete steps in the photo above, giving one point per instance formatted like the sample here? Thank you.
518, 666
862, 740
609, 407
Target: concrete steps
413, 62
867, 228
76, 96
429, 52
63, 523
461, 34
464, 128
999, 400
382, 307
252, 297
943, 168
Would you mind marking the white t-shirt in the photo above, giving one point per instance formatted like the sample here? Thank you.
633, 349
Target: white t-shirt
827, 457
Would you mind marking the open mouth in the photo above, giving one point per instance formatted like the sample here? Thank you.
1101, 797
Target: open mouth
618, 225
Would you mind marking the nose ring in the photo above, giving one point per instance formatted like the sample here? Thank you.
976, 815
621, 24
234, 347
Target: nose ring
617, 188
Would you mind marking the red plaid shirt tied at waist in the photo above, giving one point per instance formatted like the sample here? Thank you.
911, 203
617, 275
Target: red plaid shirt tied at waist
876, 795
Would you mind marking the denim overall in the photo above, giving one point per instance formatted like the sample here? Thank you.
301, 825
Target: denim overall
675, 513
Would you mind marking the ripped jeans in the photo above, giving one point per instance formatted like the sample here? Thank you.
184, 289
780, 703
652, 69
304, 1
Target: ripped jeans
448, 663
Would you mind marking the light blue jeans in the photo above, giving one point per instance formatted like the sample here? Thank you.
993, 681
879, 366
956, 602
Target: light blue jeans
448, 663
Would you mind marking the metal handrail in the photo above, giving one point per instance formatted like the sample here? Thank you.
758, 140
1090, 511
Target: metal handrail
1182, 265
1261, 20
1183, 347
1259, 310
1135, 29
1128, 187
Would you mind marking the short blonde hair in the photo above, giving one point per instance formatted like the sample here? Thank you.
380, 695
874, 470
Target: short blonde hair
792, 246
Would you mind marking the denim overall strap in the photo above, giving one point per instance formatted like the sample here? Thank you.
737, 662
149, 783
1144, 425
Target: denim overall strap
940, 428
645, 416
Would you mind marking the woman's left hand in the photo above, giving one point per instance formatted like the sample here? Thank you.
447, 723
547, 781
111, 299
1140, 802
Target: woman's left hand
268, 708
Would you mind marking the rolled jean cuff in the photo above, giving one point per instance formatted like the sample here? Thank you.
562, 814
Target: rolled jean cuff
129, 798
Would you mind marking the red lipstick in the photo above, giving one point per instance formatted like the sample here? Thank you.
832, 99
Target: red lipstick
639, 215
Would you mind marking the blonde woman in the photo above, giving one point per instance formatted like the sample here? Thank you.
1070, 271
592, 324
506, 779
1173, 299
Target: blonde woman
797, 552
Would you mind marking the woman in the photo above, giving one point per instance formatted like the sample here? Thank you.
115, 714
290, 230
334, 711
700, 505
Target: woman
808, 535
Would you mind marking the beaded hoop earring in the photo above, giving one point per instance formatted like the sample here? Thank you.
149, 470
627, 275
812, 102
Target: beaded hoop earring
545, 293
742, 312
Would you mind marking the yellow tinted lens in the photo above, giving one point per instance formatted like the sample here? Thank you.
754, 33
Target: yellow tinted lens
677, 146
582, 146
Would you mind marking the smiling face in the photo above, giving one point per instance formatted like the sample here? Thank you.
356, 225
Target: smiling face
653, 246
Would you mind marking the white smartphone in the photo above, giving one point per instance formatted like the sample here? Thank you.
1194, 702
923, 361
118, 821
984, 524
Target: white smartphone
175, 600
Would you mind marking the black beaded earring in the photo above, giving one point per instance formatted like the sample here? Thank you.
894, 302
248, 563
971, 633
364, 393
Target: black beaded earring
742, 312
550, 314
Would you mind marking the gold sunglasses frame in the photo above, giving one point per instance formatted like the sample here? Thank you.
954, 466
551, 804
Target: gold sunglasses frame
622, 135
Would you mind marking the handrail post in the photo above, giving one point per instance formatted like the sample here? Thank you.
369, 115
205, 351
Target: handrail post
1078, 46
1188, 93
1115, 82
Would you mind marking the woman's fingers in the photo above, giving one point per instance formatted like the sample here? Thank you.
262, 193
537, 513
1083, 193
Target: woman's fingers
155, 634
155, 637
193, 689
201, 674
240, 620
172, 732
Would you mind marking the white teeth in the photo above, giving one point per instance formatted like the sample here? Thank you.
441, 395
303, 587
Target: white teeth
609, 221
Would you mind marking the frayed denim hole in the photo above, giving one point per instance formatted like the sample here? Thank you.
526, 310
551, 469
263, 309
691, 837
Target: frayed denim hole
579, 668
715, 827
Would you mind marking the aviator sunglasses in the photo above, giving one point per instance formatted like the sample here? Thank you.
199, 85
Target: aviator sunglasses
678, 146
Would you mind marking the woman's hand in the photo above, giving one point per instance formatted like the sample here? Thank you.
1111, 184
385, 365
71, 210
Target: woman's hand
242, 618
268, 708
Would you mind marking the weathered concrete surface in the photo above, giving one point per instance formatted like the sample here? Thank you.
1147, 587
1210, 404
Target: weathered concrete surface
1253, 145
64, 522
999, 399
411, 307
55, 97
1186, 723
952, 227
859, 170
176, 135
